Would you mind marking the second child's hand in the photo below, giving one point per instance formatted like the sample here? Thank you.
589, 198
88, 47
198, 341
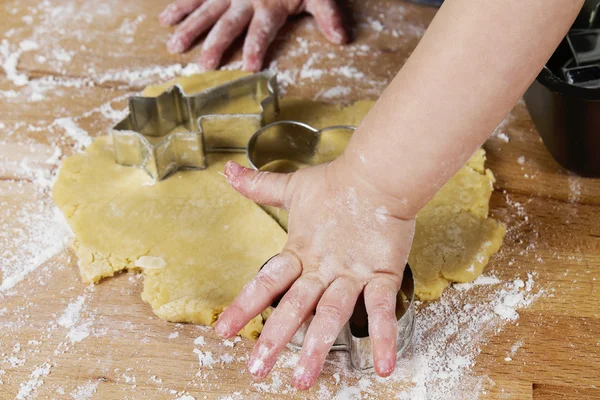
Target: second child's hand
227, 19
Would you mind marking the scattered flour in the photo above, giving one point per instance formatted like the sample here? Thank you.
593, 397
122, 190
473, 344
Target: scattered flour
449, 336
16, 362
80, 136
36, 379
336, 376
516, 347
71, 315
85, 391
129, 27
227, 358
337, 92
79, 332
376, 25
447, 340
574, 188
110, 113
144, 76
205, 358
79, 329
129, 378
199, 341
481, 280
450, 332
503, 136
513, 350
499, 131
41, 233
9, 57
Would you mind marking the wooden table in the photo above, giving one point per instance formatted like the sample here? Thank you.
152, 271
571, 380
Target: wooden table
99, 52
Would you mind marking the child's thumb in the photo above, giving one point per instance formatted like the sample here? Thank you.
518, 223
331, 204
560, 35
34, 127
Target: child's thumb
262, 187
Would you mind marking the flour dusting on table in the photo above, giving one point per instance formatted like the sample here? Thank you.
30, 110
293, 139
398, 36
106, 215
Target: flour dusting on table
40, 233
450, 333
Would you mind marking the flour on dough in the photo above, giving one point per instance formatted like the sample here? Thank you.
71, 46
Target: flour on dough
198, 242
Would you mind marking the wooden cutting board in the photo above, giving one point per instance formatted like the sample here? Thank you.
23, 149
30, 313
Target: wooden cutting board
62, 339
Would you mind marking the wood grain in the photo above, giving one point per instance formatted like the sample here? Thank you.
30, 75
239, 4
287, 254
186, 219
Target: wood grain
552, 216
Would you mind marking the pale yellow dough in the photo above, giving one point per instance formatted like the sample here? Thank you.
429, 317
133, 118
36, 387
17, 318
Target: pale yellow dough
454, 238
198, 242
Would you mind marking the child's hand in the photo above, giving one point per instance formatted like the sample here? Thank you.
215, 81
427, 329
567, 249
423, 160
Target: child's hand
344, 238
229, 18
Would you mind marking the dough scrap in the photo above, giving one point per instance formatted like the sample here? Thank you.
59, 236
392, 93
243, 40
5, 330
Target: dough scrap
212, 241
454, 238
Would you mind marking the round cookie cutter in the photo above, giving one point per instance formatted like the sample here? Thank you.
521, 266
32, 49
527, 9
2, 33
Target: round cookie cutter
297, 142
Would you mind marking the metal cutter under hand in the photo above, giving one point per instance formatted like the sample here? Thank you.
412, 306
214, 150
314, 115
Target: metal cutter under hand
354, 336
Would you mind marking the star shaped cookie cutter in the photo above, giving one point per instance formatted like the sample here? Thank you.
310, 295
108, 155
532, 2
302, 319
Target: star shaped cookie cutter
169, 132
354, 336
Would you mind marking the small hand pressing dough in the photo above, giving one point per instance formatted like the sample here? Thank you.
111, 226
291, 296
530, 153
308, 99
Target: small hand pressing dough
198, 242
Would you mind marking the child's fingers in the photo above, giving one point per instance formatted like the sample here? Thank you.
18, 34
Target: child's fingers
196, 24
290, 314
175, 11
380, 301
329, 19
262, 31
229, 27
334, 310
274, 278
262, 187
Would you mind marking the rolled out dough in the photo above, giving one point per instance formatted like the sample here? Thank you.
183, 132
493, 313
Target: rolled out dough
198, 242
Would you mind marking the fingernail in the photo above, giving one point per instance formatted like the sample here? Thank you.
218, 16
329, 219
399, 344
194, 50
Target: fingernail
252, 66
232, 168
168, 15
201, 68
175, 44
384, 367
256, 367
337, 37
222, 329
301, 378
209, 63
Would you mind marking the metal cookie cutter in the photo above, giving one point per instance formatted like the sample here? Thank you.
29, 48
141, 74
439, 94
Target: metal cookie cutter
354, 336
296, 142
286, 146
169, 132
